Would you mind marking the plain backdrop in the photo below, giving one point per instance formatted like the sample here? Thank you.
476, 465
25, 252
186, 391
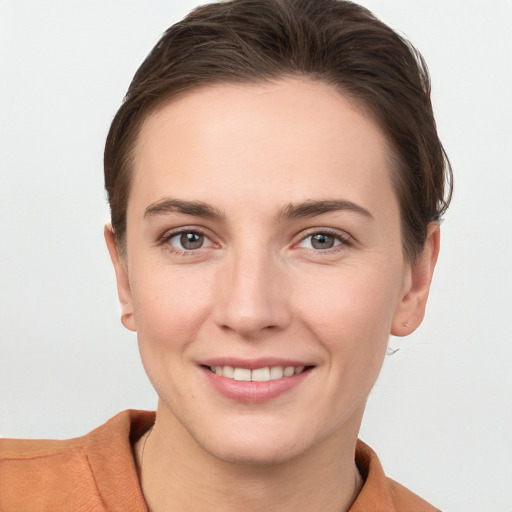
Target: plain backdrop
440, 416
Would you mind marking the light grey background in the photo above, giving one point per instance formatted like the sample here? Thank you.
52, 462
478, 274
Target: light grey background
440, 416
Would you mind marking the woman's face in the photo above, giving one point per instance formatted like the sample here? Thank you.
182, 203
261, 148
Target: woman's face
263, 239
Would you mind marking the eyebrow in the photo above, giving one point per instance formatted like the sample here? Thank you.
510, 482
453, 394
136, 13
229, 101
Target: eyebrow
314, 208
292, 211
196, 208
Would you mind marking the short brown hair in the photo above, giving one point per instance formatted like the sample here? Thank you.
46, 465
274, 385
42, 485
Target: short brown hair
334, 41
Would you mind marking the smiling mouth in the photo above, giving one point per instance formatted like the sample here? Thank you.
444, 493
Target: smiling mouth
264, 374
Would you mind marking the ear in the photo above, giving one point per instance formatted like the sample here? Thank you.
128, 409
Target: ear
123, 283
411, 310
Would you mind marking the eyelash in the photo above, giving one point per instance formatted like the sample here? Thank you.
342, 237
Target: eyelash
343, 239
168, 236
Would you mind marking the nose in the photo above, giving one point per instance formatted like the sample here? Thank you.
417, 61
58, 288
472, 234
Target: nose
252, 295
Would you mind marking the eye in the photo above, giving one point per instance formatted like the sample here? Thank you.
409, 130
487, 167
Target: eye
322, 241
189, 240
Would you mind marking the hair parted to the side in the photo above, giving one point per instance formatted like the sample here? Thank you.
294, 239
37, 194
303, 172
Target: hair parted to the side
334, 41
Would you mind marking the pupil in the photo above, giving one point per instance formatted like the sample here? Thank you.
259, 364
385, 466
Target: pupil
322, 241
191, 240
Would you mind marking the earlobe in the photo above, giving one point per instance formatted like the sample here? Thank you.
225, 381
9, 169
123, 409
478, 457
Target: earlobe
411, 310
123, 282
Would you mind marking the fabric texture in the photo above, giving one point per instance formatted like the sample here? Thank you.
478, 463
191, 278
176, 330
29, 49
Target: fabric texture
97, 472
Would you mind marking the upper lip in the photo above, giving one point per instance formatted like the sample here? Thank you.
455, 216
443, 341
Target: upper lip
252, 364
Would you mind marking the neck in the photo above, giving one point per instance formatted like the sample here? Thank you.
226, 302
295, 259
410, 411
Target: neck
176, 475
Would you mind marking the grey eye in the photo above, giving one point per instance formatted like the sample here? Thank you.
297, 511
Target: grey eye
323, 241
188, 240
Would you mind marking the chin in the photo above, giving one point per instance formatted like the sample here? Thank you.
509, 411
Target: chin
255, 447
254, 455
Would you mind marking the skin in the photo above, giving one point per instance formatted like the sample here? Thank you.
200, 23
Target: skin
258, 287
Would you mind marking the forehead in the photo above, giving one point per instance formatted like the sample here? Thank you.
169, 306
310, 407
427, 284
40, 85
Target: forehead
290, 137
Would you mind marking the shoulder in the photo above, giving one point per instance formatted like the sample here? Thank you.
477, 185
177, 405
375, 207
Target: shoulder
42, 473
69, 474
380, 493
406, 500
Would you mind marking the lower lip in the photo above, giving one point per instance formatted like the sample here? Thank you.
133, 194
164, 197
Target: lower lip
253, 392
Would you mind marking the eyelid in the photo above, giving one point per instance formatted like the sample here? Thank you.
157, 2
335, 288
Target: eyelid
343, 237
171, 233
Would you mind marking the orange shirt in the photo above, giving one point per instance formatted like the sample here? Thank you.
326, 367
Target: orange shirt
97, 472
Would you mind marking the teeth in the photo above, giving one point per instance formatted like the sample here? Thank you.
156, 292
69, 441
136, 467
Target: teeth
276, 372
242, 374
227, 371
258, 374
289, 371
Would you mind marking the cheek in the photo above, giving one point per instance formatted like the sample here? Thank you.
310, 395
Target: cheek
352, 298
169, 310
169, 305
352, 310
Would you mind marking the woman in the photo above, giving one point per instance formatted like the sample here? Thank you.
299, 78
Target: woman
276, 182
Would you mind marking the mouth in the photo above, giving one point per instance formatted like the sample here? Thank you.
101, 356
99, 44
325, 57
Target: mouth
264, 374
255, 382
